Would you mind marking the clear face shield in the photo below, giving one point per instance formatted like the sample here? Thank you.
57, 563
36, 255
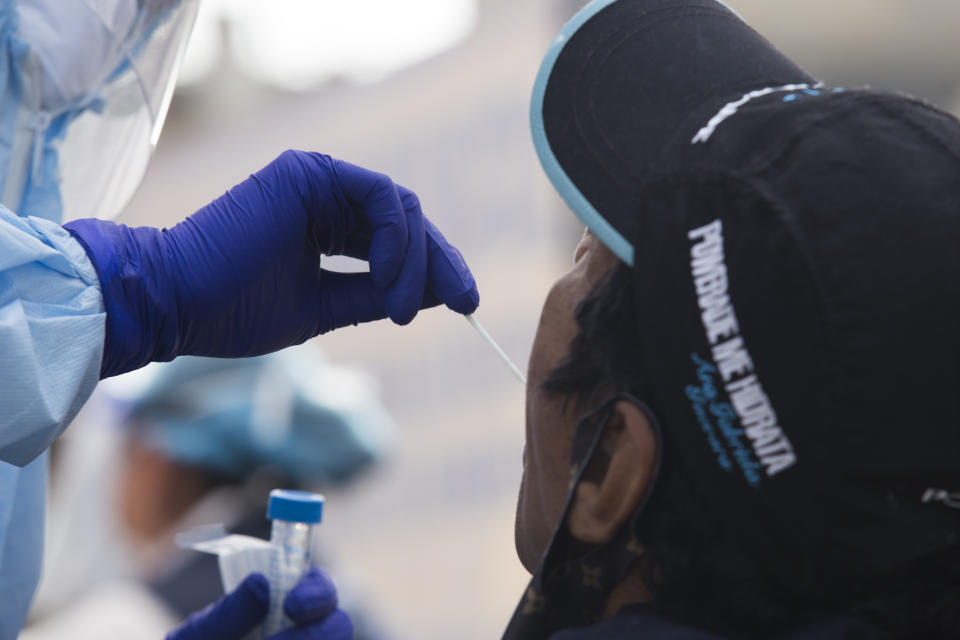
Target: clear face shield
95, 81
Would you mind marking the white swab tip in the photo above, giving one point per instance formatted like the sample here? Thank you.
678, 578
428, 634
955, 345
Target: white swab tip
496, 348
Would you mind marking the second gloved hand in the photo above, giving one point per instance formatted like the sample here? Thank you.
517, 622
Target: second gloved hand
242, 277
311, 606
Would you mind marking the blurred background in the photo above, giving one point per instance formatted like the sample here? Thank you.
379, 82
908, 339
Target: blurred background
435, 93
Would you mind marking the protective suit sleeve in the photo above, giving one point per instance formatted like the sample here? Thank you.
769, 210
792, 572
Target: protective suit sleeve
52, 325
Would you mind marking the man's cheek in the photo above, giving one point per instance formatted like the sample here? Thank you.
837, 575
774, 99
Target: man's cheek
522, 536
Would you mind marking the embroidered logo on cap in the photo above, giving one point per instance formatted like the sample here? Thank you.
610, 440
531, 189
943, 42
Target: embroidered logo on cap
766, 447
942, 496
793, 91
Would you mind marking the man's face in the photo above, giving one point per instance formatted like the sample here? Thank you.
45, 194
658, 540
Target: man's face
550, 420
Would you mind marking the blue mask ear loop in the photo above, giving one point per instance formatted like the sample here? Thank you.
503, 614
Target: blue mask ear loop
571, 585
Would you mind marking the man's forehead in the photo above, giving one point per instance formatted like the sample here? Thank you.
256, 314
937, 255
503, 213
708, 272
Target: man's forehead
596, 258
587, 238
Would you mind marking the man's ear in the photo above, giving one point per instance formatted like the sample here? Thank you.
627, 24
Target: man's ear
617, 476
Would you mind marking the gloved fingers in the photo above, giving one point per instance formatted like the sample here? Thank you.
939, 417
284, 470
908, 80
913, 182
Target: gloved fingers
349, 299
358, 244
313, 599
405, 294
430, 300
374, 197
336, 626
232, 616
448, 276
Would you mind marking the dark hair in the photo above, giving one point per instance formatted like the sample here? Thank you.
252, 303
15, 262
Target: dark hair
693, 564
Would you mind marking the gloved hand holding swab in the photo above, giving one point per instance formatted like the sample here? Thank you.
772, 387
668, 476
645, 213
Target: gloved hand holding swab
500, 353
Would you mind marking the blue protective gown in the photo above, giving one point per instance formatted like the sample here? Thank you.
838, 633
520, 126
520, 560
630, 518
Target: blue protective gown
52, 317
51, 345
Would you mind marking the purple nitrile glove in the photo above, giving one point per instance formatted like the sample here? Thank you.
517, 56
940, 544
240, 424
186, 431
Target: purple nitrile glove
242, 277
311, 605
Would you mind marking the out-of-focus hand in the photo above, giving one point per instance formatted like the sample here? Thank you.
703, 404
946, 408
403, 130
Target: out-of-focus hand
242, 277
311, 605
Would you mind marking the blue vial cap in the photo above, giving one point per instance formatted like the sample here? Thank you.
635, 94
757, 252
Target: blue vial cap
295, 506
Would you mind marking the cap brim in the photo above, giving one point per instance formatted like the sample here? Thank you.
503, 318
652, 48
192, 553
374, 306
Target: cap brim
625, 82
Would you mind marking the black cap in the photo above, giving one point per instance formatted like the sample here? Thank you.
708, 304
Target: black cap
796, 256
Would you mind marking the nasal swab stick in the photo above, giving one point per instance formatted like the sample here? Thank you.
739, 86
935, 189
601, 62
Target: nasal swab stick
506, 360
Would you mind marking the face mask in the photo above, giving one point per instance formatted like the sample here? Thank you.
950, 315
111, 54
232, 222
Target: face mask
83, 100
571, 585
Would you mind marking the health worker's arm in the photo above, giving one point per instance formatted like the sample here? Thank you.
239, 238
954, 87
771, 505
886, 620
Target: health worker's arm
51, 333
242, 276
